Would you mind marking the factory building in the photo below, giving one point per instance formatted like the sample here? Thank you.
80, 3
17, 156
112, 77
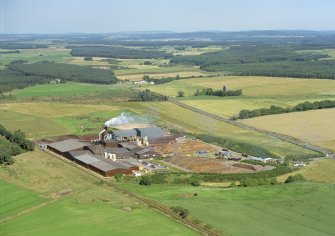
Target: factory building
64, 147
80, 153
153, 132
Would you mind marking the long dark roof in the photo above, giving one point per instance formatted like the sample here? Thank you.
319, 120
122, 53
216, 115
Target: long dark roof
153, 132
67, 145
86, 158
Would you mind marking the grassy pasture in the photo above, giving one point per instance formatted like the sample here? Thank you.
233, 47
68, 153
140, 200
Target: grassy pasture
15, 199
291, 209
88, 207
316, 126
56, 54
329, 52
318, 170
73, 90
252, 86
40, 120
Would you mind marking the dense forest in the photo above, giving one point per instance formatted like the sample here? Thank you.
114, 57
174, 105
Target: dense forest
12, 144
66, 72
116, 52
305, 106
14, 45
265, 60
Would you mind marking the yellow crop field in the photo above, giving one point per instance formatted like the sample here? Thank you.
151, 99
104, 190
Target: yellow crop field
251, 86
316, 126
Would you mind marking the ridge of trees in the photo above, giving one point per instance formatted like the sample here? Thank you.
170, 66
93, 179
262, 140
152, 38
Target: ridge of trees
220, 93
305, 106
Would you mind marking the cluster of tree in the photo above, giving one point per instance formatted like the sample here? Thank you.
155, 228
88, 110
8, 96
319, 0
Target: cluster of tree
248, 182
181, 211
305, 106
66, 72
10, 80
17, 45
263, 60
88, 58
295, 178
116, 52
12, 144
220, 93
162, 80
147, 96
17, 137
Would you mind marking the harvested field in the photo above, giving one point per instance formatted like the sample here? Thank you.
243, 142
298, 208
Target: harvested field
185, 147
208, 165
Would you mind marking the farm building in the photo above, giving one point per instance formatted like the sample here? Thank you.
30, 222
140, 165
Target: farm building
120, 152
147, 153
85, 159
64, 147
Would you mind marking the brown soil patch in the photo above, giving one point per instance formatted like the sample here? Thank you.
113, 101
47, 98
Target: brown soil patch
185, 147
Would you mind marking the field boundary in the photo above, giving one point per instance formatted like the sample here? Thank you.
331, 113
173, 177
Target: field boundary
282, 137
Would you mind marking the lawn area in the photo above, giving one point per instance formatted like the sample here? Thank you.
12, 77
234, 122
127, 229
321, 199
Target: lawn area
173, 116
317, 127
76, 203
318, 170
291, 209
15, 199
255, 86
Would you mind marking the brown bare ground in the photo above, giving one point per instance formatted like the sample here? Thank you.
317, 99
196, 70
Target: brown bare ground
185, 147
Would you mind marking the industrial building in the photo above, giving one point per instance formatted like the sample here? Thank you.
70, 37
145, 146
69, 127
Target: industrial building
64, 147
80, 153
152, 132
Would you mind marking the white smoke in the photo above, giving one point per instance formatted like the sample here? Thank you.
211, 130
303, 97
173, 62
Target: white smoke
123, 118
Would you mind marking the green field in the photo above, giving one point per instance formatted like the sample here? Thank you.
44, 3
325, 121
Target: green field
290, 209
15, 199
56, 54
49, 197
72, 90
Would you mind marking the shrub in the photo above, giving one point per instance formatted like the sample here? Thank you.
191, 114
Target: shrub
182, 212
295, 178
145, 180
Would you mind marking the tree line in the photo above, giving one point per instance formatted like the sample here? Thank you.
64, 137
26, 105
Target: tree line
17, 45
116, 52
163, 80
305, 106
147, 96
220, 93
18, 144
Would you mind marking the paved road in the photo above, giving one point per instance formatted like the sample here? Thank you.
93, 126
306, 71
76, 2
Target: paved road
283, 137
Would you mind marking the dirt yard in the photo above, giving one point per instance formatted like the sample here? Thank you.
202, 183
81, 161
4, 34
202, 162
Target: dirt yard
209, 165
183, 147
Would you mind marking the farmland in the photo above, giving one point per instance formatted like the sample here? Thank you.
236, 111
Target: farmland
252, 86
58, 196
282, 210
318, 128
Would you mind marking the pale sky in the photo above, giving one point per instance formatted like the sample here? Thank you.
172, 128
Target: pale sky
104, 16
